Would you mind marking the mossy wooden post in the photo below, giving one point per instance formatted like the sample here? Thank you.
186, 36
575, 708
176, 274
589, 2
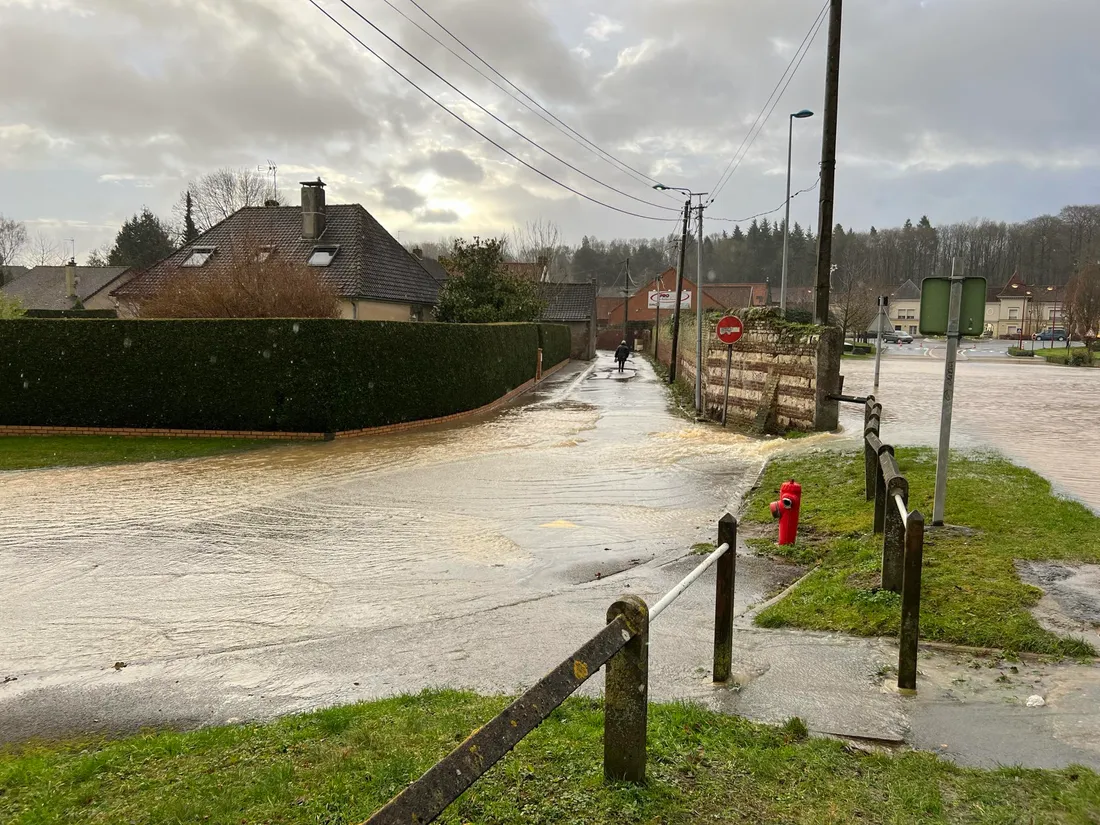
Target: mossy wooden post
871, 425
723, 599
910, 602
893, 534
880, 491
626, 696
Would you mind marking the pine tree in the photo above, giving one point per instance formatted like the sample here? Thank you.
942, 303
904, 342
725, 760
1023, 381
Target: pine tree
190, 231
141, 242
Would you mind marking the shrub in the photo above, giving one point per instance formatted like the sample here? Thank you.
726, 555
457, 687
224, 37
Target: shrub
556, 343
1079, 359
311, 375
249, 286
1019, 352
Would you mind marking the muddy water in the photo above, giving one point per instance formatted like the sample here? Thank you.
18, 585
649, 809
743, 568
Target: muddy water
298, 543
1044, 417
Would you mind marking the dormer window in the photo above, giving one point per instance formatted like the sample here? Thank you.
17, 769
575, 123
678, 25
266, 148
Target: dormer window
199, 255
263, 253
323, 255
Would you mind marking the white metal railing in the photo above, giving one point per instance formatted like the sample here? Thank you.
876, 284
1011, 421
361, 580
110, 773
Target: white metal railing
675, 592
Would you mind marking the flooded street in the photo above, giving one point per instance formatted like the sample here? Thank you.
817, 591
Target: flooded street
247, 586
1044, 417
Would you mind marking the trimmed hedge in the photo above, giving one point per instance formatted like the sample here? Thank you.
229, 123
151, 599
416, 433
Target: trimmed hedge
257, 374
556, 344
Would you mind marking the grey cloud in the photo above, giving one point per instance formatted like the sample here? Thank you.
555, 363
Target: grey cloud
402, 198
438, 216
453, 164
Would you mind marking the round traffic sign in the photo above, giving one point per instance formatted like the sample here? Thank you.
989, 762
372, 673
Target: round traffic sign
730, 329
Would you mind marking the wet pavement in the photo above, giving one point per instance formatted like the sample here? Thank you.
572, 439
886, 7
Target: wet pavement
243, 587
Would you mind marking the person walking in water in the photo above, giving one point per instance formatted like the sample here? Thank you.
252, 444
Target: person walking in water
621, 354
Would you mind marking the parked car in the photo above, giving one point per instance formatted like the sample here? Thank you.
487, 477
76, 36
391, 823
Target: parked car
1051, 334
896, 336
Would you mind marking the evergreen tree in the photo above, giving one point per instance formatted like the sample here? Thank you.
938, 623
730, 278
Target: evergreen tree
141, 242
481, 291
190, 231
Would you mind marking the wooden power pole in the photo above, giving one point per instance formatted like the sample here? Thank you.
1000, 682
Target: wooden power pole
828, 169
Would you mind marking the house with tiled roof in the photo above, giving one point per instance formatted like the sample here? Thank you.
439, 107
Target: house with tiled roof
575, 306
374, 276
51, 289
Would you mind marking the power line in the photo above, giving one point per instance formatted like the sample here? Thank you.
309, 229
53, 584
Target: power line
735, 161
622, 165
549, 118
810, 188
497, 118
473, 128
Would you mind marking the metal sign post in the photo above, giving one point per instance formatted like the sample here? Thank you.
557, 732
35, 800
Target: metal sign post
729, 332
883, 303
954, 311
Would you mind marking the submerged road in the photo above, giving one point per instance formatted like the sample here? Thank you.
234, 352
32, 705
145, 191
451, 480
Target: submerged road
246, 586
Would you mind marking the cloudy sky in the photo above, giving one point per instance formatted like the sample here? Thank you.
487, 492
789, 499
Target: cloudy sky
952, 108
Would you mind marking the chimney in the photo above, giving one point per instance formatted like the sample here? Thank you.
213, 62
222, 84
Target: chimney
313, 209
418, 253
70, 278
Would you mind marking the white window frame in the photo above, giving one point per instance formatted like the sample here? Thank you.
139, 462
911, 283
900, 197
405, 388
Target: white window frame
199, 255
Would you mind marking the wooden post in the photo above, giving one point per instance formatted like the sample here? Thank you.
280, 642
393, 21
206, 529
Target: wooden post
723, 600
910, 602
870, 456
893, 535
880, 491
538, 367
626, 696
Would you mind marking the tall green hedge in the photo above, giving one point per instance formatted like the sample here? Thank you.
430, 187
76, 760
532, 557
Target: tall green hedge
556, 343
278, 375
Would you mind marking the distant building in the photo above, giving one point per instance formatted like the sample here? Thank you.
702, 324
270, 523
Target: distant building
374, 277
575, 306
50, 289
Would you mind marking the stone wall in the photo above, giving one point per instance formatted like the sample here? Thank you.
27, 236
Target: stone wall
776, 371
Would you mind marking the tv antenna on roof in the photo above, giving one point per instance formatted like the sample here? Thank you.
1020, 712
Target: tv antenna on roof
272, 169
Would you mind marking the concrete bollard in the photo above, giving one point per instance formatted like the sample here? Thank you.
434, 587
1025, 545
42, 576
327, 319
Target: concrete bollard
910, 602
724, 585
626, 696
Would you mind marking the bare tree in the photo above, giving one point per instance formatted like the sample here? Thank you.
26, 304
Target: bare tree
254, 283
99, 256
1082, 307
854, 302
217, 195
44, 251
537, 240
13, 237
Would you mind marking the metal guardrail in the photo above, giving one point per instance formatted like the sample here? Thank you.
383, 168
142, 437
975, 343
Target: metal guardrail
622, 646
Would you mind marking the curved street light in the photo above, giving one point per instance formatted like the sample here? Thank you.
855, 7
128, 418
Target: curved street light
804, 113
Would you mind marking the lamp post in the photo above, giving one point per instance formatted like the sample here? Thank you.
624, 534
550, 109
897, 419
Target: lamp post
680, 287
787, 222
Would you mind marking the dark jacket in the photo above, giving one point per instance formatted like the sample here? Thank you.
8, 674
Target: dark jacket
622, 353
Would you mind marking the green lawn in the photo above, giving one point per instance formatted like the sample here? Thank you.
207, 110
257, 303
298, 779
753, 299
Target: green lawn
970, 592
30, 452
1061, 355
339, 765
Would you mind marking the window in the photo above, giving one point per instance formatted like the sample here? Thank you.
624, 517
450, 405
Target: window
323, 255
912, 329
1050, 314
1012, 330
1013, 314
897, 327
263, 253
199, 255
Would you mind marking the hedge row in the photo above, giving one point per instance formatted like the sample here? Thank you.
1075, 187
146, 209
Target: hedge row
277, 375
556, 343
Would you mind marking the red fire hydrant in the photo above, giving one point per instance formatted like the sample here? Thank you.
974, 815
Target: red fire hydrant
786, 510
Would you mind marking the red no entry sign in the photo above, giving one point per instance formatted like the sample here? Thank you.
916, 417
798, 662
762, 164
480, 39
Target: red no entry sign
730, 329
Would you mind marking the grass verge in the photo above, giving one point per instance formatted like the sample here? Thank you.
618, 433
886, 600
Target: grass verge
1076, 356
32, 452
341, 764
970, 592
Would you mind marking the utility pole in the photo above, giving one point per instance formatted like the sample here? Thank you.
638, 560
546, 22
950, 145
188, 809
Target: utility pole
699, 315
828, 167
953, 317
626, 300
679, 292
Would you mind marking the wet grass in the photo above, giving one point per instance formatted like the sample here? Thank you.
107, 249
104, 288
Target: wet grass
341, 764
1061, 355
33, 452
970, 592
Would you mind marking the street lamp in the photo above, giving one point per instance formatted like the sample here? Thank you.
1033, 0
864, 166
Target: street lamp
787, 223
698, 295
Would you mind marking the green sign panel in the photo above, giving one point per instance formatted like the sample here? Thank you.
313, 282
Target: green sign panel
935, 303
